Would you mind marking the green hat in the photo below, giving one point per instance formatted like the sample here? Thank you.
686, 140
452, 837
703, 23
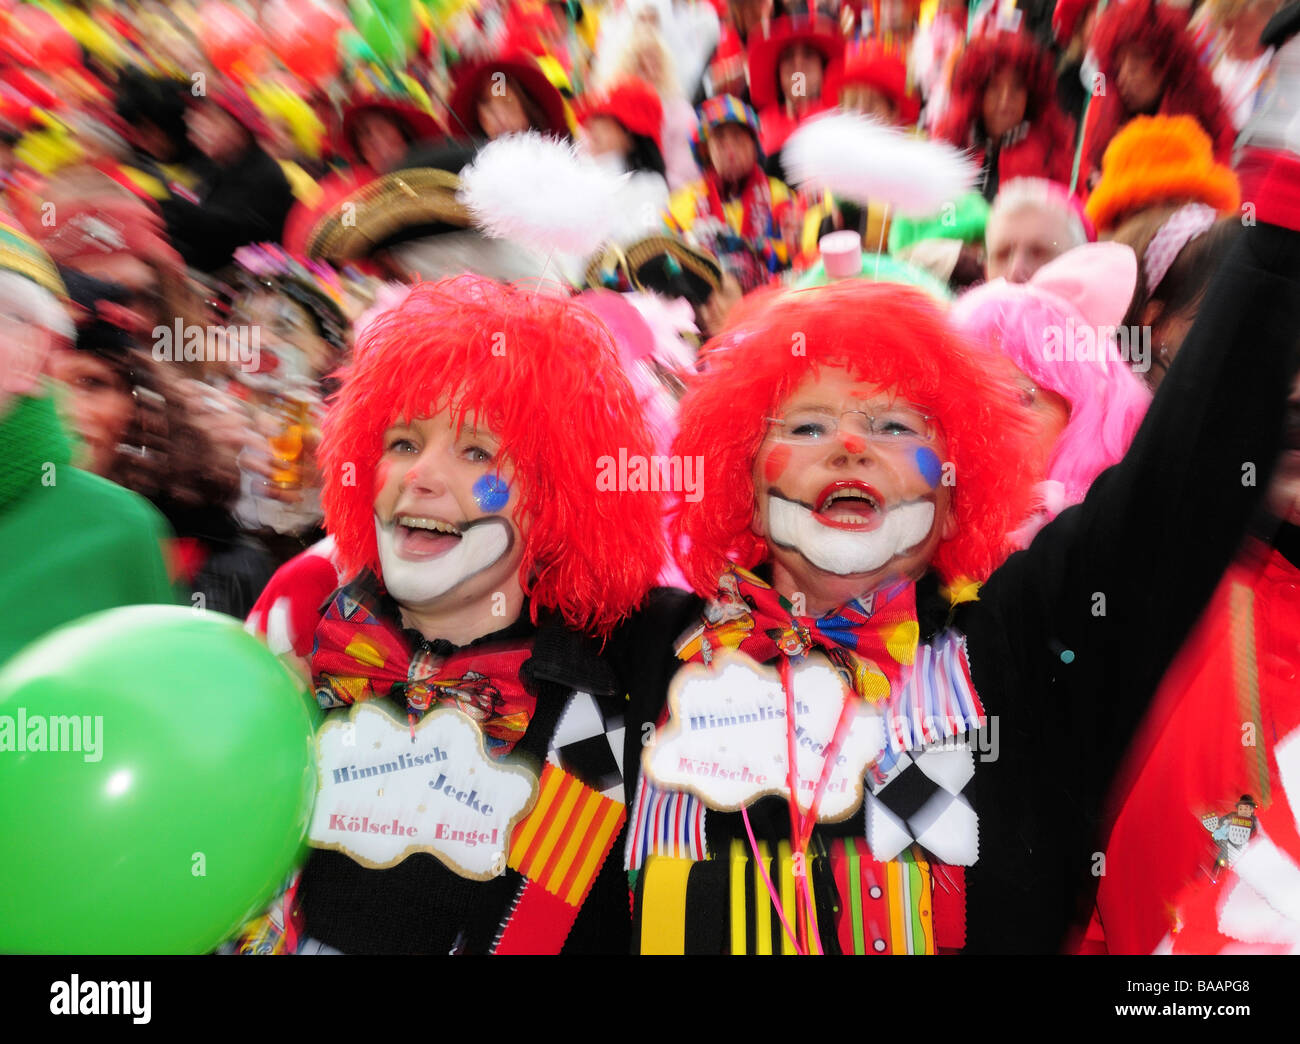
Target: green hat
964, 221
890, 270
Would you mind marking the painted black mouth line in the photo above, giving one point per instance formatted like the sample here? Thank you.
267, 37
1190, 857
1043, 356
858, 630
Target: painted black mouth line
510, 542
772, 491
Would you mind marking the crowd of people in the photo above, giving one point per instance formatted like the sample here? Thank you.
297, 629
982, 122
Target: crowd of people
1016, 468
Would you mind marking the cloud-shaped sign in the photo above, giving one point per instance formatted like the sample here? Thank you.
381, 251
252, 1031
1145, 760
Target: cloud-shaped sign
385, 793
726, 740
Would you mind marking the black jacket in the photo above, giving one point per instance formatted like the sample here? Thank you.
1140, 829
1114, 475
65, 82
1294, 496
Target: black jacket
245, 202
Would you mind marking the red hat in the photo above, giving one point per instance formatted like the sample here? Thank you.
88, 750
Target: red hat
524, 70
417, 124
874, 65
632, 102
765, 52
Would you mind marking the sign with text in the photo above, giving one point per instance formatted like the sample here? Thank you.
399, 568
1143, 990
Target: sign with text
727, 738
386, 791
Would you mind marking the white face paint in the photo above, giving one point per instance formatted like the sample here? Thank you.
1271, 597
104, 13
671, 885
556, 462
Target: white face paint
418, 582
845, 552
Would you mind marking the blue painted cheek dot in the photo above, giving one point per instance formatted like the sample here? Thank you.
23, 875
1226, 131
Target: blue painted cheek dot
928, 464
491, 493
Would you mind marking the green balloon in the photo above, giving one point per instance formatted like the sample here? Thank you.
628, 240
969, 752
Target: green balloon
175, 806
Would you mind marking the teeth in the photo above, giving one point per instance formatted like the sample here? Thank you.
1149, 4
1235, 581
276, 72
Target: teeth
851, 494
437, 525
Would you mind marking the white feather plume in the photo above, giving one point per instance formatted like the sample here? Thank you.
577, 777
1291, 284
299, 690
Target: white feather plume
542, 193
861, 160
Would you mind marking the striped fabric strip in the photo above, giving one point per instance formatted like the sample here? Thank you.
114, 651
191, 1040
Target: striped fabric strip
788, 889
663, 898
885, 908
938, 700
855, 896
739, 865
664, 822
762, 904
562, 843
895, 884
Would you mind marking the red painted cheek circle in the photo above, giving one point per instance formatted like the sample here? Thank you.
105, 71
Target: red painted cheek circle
381, 477
777, 461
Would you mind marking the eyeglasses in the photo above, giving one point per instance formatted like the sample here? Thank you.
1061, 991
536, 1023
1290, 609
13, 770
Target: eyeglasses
895, 422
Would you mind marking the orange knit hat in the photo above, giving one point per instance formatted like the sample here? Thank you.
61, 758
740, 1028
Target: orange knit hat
1155, 160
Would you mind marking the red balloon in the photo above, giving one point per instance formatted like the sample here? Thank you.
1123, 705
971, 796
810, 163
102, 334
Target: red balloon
36, 39
304, 35
231, 39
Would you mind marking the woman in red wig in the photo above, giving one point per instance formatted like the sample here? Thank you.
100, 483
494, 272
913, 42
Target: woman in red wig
465, 462
860, 456
1003, 106
1149, 66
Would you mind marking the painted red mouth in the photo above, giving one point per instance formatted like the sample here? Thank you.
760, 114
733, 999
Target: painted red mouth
850, 504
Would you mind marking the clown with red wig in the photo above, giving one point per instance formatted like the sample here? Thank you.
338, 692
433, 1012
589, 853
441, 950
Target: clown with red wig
476, 561
859, 634
1003, 106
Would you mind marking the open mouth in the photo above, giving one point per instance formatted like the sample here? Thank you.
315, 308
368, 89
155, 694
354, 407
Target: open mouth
417, 538
850, 505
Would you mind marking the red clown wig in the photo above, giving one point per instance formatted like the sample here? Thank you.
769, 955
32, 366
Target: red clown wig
986, 55
543, 373
892, 336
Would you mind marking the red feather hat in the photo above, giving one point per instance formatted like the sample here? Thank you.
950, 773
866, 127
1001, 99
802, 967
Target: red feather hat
632, 102
874, 65
986, 55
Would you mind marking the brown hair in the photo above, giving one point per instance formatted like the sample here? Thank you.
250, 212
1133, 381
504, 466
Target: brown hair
1181, 290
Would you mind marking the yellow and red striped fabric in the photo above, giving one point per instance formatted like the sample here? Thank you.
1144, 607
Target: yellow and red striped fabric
562, 843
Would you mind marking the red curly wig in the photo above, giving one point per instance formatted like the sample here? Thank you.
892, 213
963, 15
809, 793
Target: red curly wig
988, 54
1189, 90
543, 373
890, 335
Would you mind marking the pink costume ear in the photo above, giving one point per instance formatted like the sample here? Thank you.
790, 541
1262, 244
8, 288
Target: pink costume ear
631, 334
1097, 279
